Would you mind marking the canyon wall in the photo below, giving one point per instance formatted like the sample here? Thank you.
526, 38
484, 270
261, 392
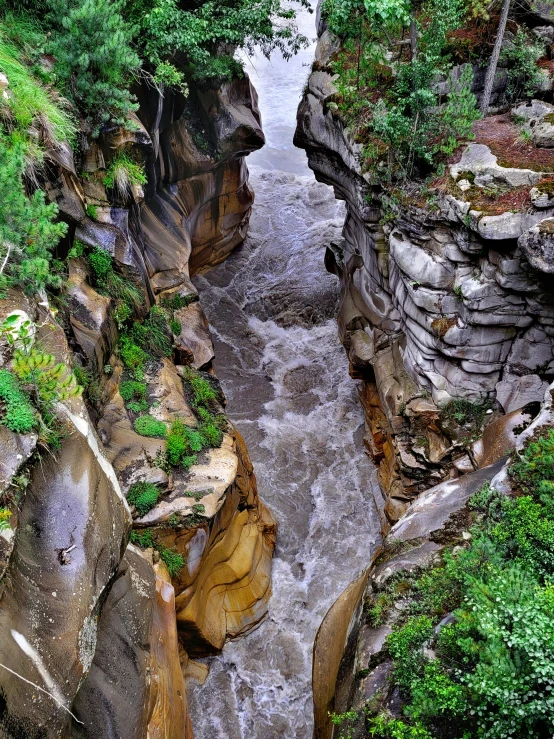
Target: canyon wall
96, 633
444, 299
438, 302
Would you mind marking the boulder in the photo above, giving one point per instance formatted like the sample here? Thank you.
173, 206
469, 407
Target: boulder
538, 245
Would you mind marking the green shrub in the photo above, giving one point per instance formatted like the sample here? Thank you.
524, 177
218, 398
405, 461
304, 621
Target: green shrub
149, 426
123, 173
172, 560
5, 515
144, 496
142, 538
92, 211
153, 334
182, 443
533, 470
465, 411
95, 59
134, 395
522, 54
406, 648
385, 727
202, 391
133, 357
17, 410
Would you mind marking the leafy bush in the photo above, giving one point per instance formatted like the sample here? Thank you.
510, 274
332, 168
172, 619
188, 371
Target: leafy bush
143, 538
134, 395
149, 426
133, 357
5, 515
153, 334
144, 496
18, 413
95, 60
182, 443
172, 560
533, 470
524, 77
123, 173
406, 648
203, 394
384, 727
127, 297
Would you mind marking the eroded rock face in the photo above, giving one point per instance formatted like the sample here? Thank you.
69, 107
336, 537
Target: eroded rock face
96, 627
436, 304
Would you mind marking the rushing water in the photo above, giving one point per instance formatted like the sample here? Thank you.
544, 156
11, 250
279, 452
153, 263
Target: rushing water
271, 307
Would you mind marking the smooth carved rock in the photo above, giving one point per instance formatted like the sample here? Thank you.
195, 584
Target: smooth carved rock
194, 339
90, 316
72, 526
419, 265
115, 692
538, 245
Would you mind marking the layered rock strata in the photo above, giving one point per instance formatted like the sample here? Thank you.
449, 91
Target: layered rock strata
96, 631
439, 301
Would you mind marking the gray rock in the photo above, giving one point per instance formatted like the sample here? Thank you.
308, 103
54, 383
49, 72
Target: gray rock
480, 161
541, 199
538, 245
515, 392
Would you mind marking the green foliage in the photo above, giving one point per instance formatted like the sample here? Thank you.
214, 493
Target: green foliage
533, 470
406, 648
142, 538
346, 721
95, 59
524, 77
203, 394
167, 29
134, 395
384, 727
172, 560
154, 334
465, 411
149, 426
123, 173
133, 357
493, 675
144, 496
176, 301
182, 443
92, 211
126, 295
17, 412
5, 514
28, 228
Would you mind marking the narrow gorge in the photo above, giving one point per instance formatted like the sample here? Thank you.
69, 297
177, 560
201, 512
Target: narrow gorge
276, 369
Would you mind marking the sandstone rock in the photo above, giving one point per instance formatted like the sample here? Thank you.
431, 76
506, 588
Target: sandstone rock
90, 317
194, 339
115, 692
431, 511
500, 437
73, 522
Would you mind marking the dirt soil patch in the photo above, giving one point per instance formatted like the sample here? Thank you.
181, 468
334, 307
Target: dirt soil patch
503, 138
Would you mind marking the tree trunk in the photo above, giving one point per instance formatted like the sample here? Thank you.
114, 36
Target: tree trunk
413, 39
493, 61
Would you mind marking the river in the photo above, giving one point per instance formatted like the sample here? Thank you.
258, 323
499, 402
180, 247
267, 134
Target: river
272, 310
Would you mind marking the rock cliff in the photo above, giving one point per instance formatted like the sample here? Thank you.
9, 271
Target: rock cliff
96, 632
441, 300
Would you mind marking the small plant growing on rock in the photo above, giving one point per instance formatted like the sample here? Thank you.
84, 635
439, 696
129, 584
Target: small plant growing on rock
172, 560
123, 173
134, 395
5, 514
144, 496
18, 413
149, 426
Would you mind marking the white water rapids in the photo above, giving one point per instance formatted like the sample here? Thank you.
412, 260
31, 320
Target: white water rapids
272, 310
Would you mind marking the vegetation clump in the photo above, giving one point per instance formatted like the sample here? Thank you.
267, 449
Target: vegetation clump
489, 671
172, 560
150, 426
144, 496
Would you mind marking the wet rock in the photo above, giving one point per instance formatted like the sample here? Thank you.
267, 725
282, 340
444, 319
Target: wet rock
115, 692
